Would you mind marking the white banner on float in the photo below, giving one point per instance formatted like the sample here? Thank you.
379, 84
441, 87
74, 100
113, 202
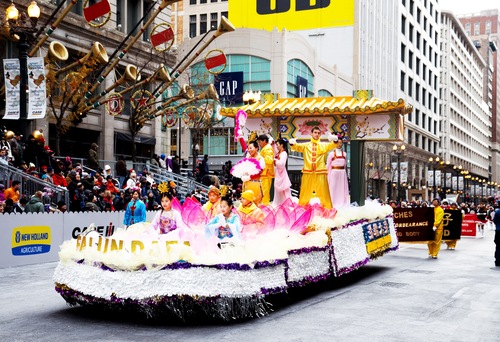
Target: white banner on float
36, 89
12, 81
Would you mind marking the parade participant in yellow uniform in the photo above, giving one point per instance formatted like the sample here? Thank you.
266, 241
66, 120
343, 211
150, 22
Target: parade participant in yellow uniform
314, 173
212, 207
254, 182
267, 175
435, 245
251, 216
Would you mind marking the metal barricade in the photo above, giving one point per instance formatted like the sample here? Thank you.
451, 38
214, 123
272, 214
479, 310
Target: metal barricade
29, 185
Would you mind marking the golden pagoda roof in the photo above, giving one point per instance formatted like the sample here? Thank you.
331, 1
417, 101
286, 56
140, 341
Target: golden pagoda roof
337, 105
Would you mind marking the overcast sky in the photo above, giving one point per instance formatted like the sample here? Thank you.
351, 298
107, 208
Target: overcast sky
468, 6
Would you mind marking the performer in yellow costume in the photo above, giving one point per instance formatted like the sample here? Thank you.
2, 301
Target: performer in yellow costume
435, 245
314, 173
254, 183
212, 208
267, 175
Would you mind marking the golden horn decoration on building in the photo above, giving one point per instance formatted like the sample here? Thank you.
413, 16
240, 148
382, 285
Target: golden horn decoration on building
52, 28
186, 93
93, 102
160, 74
97, 51
57, 51
131, 74
224, 26
209, 94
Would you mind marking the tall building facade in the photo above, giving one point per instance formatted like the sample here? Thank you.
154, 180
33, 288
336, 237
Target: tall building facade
399, 57
465, 116
483, 28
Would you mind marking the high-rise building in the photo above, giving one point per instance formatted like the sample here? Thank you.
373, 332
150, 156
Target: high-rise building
465, 116
483, 28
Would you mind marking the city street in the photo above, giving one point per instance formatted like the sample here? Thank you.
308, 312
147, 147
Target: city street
403, 296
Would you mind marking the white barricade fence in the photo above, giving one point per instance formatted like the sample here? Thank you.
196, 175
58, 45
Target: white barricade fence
34, 238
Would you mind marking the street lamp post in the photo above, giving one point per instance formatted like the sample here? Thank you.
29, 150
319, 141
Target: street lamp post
21, 28
399, 150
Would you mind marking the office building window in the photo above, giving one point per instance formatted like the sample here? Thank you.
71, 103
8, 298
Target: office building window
410, 59
467, 28
403, 24
213, 20
192, 2
224, 14
203, 23
192, 26
476, 29
296, 67
488, 27
402, 81
403, 52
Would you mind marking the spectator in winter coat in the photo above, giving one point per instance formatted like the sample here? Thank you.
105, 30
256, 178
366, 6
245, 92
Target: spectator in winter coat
35, 205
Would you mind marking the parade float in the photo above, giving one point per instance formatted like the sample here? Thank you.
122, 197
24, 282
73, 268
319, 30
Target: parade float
187, 274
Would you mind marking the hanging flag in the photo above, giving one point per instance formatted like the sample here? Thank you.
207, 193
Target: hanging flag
215, 61
97, 10
162, 37
37, 92
12, 77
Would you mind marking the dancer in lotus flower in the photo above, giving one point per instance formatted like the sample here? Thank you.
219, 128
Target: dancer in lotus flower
225, 225
167, 219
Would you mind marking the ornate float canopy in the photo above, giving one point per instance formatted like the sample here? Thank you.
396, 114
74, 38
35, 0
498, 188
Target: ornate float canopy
337, 105
361, 116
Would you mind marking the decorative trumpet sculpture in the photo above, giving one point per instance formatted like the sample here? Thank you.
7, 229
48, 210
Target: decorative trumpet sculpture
73, 88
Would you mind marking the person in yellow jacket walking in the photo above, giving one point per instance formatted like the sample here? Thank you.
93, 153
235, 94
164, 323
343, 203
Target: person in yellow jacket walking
435, 245
267, 175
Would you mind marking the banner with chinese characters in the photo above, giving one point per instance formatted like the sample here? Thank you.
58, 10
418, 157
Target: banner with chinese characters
36, 88
12, 80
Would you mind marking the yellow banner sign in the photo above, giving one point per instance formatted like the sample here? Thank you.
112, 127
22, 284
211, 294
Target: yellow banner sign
291, 14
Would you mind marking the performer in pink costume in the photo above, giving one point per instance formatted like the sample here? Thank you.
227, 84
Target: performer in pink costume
337, 176
282, 183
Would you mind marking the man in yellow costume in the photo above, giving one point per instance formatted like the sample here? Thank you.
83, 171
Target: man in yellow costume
267, 175
314, 173
435, 245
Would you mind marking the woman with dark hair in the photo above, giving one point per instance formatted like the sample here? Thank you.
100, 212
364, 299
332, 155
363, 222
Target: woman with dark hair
282, 183
226, 224
136, 209
167, 219
253, 182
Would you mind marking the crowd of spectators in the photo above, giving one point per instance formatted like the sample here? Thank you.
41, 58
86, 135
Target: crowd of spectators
89, 188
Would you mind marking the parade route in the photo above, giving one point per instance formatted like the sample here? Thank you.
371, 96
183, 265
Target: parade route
403, 296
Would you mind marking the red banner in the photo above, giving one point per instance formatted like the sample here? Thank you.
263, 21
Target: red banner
215, 61
97, 10
162, 37
469, 225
